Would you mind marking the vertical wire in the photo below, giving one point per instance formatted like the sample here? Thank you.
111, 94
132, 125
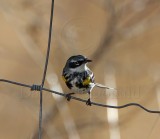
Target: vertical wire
45, 71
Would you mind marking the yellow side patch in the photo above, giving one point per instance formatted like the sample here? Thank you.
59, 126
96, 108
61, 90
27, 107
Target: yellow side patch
64, 78
87, 81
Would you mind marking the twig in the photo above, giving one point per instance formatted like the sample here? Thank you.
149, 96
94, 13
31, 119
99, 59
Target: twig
108, 36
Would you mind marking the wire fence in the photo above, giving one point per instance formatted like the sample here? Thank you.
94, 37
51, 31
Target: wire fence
41, 87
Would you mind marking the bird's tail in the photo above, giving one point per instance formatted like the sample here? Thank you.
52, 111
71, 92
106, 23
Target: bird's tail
103, 86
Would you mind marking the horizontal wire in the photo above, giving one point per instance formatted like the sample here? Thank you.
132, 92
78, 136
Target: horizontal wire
82, 100
15, 83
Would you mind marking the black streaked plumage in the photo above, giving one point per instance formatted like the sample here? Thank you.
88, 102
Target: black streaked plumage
78, 77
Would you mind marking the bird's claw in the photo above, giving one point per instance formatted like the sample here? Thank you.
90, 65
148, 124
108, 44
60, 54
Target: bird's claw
68, 97
88, 102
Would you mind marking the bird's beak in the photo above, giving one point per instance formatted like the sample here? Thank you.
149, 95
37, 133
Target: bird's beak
88, 60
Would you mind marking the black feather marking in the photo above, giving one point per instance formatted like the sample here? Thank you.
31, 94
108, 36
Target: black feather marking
69, 85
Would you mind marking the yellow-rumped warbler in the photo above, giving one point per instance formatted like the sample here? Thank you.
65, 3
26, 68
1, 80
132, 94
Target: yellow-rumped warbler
78, 77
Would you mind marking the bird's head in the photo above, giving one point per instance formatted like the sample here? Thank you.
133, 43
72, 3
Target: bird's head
77, 63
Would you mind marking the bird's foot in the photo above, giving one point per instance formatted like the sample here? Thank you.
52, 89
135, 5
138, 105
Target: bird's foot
88, 102
68, 97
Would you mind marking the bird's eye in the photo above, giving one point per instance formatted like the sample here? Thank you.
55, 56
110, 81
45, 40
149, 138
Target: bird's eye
76, 63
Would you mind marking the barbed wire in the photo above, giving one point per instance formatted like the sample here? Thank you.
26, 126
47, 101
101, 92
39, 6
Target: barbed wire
41, 87
82, 100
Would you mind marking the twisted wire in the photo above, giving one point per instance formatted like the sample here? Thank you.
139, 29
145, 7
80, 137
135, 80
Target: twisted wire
82, 100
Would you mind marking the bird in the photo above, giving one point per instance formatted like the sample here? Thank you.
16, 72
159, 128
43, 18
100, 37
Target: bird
79, 78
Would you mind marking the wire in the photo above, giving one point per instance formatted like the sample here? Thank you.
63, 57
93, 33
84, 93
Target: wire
104, 105
82, 100
49, 43
15, 83
45, 70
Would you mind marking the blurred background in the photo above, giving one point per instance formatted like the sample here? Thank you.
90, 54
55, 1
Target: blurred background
122, 38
